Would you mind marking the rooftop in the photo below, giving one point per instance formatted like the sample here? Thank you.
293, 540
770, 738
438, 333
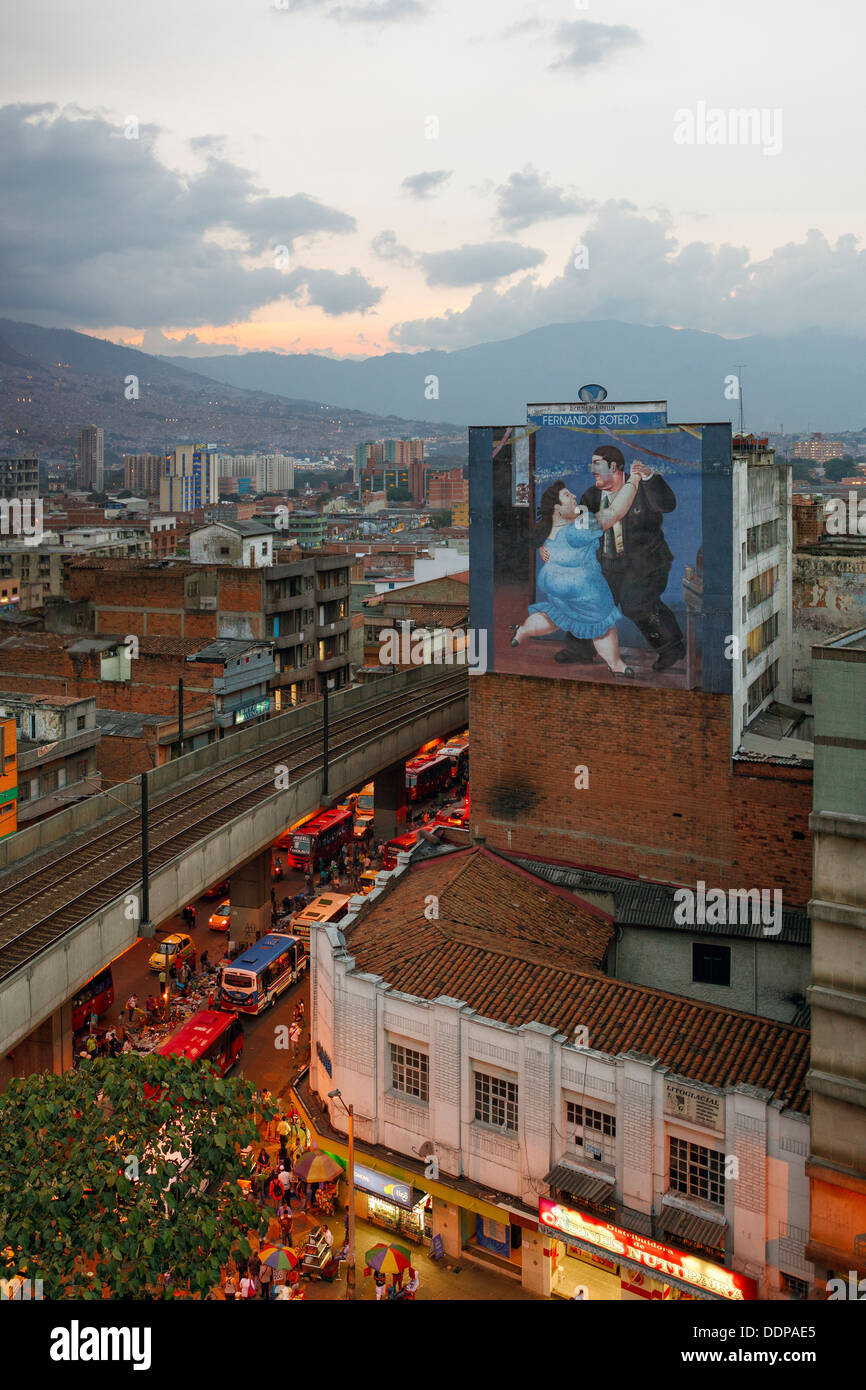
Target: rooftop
492, 947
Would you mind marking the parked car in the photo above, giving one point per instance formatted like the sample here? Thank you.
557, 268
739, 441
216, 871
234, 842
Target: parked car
220, 920
175, 947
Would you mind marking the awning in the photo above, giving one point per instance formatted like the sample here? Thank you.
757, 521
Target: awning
586, 1187
700, 1230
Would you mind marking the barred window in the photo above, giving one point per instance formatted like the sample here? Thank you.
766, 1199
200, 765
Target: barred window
794, 1287
495, 1101
590, 1119
409, 1071
697, 1172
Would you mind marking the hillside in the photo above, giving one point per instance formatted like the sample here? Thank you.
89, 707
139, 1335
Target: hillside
53, 381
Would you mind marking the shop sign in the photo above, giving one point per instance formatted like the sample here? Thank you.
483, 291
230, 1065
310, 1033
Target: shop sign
400, 1193
688, 1103
252, 711
662, 1260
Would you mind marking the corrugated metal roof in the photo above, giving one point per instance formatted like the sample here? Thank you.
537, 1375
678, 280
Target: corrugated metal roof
640, 904
686, 1225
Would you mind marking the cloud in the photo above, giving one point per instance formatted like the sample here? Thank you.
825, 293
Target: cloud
587, 44
153, 340
380, 11
333, 292
528, 197
388, 248
478, 264
423, 185
638, 272
97, 231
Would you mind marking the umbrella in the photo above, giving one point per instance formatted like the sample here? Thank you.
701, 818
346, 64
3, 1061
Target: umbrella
316, 1166
389, 1259
279, 1257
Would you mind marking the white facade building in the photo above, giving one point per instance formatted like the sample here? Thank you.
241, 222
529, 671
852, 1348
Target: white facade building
657, 1183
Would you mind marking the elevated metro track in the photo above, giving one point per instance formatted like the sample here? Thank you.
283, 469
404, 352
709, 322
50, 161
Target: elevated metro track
208, 820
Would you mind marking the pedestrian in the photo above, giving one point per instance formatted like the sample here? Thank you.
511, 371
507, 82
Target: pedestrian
266, 1275
131, 1006
287, 906
229, 1290
283, 1129
579, 1293
294, 1038
248, 1287
205, 961
381, 1281
301, 1012
267, 1105
413, 1284
275, 1188
91, 1045
273, 917
150, 1007
328, 1235
94, 1020
255, 1264
286, 1223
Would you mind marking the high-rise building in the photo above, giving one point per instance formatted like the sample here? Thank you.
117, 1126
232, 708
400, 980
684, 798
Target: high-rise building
19, 477
90, 457
267, 472
818, 449
191, 479
143, 473
405, 453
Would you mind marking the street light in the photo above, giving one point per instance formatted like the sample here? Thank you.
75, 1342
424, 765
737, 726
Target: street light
350, 1272
327, 684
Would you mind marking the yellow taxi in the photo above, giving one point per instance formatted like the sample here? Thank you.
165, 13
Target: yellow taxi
367, 881
221, 919
175, 947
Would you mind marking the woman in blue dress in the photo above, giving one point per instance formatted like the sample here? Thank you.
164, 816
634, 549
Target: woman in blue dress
577, 598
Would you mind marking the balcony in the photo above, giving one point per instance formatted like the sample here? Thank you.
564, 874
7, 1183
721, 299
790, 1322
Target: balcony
331, 595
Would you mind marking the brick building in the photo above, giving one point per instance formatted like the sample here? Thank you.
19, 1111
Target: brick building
301, 607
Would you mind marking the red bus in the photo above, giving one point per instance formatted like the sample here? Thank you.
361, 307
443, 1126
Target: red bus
209, 1036
428, 774
458, 751
318, 840
455, 814
394, 847
96, 997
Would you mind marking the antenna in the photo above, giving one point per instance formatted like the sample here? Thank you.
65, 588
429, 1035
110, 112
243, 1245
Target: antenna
740, 382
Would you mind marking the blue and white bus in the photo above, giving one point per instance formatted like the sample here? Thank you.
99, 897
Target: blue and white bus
253, 982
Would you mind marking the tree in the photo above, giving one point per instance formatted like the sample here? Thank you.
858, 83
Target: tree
398, 494
126, 1167
837, 469
439, 520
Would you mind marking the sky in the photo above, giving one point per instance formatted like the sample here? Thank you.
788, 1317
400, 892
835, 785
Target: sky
363, 176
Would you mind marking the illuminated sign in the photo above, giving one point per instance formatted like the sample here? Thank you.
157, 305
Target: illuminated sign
400, 1193
663, 1260
252, 711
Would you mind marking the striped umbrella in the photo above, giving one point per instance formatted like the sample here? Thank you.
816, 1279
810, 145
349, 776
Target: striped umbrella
316, 1166
388, 1259
279, 1257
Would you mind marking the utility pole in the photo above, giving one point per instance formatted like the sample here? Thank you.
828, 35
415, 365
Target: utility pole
350, 1178
180, 715
327, 684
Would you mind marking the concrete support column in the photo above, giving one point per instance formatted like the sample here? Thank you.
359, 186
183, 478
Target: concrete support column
389, 799
446, 1223
251, 899
47, 1048
538, 1258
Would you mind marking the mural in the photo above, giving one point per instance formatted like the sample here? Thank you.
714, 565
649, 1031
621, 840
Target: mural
599, 549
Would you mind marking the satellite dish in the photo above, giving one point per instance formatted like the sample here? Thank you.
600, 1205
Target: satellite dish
427, 1149
592, 392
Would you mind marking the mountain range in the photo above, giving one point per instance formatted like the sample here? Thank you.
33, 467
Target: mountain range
53, 381
808, 380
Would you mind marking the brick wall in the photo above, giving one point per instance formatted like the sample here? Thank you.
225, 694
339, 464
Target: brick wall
47, 669
663, 802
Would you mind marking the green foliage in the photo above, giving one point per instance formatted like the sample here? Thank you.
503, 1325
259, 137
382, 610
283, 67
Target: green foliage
96, 1176
439, 520
837, 469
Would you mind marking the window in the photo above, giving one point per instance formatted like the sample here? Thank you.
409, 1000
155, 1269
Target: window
711, 965
697, 1172
496, 1101
763, 687
763, 586
409, 1071
761, 637
792, 1286
582, 1116
81, 721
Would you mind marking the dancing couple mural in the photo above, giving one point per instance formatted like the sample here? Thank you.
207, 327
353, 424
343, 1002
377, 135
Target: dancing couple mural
602, 558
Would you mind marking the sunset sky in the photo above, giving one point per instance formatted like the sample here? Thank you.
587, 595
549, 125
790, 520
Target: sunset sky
428, 168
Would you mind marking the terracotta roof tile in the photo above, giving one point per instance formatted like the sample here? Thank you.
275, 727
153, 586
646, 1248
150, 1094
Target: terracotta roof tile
519, 951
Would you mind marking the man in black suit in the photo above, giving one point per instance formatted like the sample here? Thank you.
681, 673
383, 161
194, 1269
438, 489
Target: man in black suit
635, 558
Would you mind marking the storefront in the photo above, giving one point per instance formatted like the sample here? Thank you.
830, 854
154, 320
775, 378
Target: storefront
620, 1264
394, 1205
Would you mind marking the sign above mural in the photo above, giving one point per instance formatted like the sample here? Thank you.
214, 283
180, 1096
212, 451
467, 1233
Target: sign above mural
610, 414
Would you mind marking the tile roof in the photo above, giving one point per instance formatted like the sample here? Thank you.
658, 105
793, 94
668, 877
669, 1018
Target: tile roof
519, 952
639, 903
